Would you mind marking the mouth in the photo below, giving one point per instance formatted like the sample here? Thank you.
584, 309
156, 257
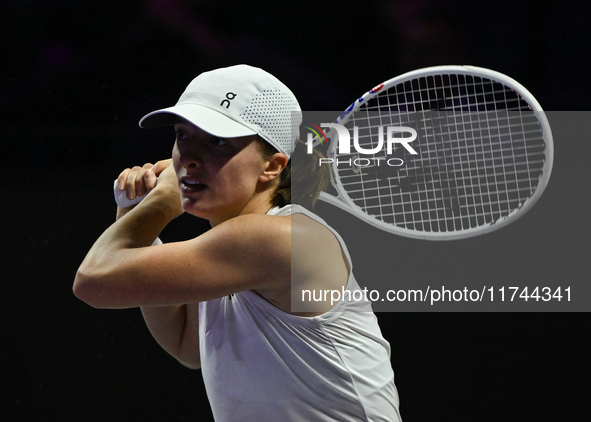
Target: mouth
191, 185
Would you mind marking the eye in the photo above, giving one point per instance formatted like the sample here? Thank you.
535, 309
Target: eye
218, 141
180, 134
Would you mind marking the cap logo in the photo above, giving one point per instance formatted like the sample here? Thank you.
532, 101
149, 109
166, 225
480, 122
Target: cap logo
229, 97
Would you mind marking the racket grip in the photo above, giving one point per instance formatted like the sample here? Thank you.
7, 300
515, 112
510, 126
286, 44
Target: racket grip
121, 198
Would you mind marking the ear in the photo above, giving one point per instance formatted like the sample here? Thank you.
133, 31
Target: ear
274, 165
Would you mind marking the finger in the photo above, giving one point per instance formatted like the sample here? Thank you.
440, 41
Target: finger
130, 186
140, 182
160, 166
150, 180
122, 179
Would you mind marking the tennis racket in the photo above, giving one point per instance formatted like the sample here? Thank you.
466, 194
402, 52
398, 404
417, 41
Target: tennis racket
483, 154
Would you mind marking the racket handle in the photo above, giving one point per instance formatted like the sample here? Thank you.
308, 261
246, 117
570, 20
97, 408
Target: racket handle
121, 198
123, 202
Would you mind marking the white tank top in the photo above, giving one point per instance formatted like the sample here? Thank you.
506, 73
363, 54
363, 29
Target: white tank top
262, 364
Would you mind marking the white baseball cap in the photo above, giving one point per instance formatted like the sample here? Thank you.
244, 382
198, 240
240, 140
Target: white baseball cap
237, 101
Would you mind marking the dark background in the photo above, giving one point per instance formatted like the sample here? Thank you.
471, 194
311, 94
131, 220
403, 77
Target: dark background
77, 76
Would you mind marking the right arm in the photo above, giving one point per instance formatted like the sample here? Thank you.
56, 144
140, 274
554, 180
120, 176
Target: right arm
175, 328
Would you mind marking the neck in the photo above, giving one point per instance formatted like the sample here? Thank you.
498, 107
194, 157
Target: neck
260, 203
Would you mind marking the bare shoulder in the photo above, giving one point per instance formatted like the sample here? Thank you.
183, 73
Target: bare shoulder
267, 235
258, 246
256, 225
313, 244
308, 242
318, 260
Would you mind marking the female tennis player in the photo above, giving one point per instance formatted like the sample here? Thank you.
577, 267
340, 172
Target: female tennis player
222, 301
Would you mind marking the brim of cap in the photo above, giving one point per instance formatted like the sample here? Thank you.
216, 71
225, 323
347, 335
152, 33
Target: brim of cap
205, 118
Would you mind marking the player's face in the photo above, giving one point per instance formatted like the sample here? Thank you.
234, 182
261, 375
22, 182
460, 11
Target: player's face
218, 177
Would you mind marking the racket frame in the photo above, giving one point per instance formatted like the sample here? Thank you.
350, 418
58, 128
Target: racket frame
344, 202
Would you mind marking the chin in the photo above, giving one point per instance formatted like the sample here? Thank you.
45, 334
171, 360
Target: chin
196, 212
197, 209
219, 211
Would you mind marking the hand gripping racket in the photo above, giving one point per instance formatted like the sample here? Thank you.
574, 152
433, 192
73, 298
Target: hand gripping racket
482, 155
121, 198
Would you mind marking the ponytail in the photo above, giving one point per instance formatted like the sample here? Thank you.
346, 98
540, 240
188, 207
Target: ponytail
303, 173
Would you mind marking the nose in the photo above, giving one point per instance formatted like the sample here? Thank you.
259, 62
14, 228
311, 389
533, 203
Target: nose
189, 158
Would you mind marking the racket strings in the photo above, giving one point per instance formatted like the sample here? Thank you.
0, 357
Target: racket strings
452, 93
480, 156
